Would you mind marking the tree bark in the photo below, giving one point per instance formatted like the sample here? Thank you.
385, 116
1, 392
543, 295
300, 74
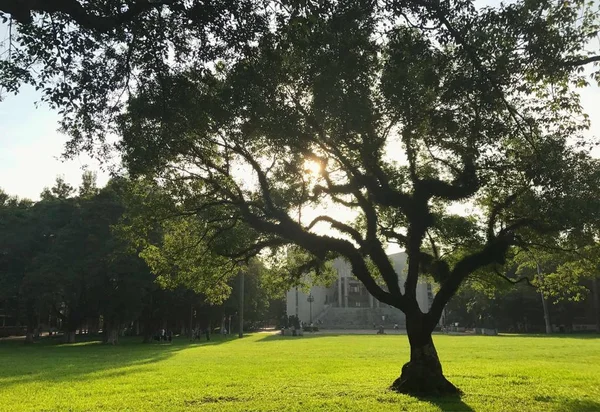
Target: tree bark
69, 336
147, 320
422, 375
111, 336
29, 337
31, 323
596, 301
147, 338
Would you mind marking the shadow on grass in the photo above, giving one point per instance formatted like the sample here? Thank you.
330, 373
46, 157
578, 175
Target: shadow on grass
570, 405
49, 360
555, 336
455, 403
308, 335
577, 405
277, 337
447, 403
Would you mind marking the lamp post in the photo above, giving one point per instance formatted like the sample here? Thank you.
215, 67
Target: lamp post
241, 308
544, 304
310, 300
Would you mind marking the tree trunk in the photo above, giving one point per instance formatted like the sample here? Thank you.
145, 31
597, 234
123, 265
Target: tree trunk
69, 336
31, 324
147, 320
94, 327
422, 375
111, 336
596, 301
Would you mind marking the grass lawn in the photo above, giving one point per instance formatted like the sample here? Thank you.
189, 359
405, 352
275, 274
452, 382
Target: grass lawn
271, 373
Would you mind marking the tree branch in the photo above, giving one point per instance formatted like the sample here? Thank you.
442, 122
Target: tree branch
496, 209
342, 227
494, 251
256, 248
22, 11
471, 52
464, 185
391, 234
513, 281
582, 62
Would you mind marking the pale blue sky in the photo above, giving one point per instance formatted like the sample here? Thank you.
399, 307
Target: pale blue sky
30, 148
30, 145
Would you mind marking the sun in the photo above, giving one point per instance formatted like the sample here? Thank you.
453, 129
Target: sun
312, 167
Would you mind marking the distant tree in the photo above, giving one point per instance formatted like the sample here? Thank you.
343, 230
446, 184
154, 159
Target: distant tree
83, 270
67, 267
259, 295
121, 277
71, 256
88, 186
61, 190
393, 113
574, 275
19, 245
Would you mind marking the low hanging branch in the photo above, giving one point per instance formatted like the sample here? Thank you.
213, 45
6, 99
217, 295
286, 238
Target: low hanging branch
22, 11
582, 62
524, 279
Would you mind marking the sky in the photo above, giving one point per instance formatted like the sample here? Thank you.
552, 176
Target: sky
31, 146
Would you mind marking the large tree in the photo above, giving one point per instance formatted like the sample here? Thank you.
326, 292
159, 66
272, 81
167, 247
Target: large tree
383, 118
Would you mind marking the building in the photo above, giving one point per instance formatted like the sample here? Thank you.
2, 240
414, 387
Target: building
347, 304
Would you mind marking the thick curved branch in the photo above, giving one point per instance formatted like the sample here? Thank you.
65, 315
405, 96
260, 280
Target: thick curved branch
382, 193
319, 245
22, 10
496, 209
493, 252
371, 245
342, 227
513, 281
253, 250
582, 62
391, 234
464, 185
286, 228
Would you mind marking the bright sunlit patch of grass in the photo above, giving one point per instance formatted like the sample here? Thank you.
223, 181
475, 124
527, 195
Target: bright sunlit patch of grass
271, 373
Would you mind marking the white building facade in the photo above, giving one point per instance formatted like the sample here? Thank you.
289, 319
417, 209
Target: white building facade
348, 304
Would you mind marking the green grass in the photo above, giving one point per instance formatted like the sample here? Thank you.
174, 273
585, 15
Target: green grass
328, 373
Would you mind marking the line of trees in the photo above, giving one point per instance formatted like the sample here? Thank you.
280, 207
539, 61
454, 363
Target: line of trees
519, 309
65, 264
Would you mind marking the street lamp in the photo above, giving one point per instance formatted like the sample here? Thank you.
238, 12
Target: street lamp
544, 304
310, 300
